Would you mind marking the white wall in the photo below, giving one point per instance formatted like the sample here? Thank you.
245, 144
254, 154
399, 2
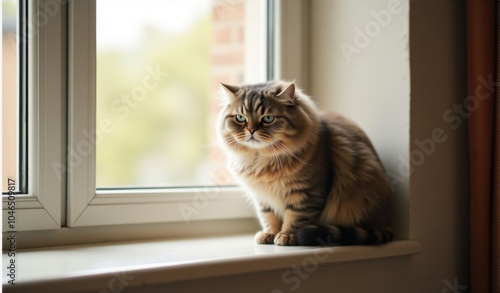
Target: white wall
359, 65
374, 90
372, 86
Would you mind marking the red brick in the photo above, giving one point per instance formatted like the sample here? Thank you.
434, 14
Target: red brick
230, 58
222, 34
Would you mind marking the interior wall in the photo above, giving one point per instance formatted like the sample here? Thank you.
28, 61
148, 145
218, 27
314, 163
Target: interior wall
439, 189
368, 78
359, 66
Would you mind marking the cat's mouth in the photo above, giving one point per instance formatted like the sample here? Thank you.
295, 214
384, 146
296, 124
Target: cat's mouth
254, 142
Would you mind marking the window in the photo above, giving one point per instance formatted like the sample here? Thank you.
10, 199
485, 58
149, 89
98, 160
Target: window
184, 201
64, 114
72, 52
37, 126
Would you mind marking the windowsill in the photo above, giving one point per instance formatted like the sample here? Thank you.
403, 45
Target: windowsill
93, 267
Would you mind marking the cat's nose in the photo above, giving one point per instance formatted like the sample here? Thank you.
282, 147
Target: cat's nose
252, 130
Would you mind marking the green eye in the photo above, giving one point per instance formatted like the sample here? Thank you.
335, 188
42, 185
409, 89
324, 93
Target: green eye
240, 118
268, 119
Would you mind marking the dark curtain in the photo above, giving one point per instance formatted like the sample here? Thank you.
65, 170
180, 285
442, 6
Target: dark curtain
482, 103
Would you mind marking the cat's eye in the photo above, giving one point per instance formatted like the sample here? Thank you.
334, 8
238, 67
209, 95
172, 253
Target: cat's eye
240, 118
268, 119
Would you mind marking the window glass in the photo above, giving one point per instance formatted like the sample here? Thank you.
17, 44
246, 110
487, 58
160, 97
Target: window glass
159, 65
10, 127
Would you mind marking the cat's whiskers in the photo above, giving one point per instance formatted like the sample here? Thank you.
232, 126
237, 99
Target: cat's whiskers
278, 161
235, 145
232, 144
287, 152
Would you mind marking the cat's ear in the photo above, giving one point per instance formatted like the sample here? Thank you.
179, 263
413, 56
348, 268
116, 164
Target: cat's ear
229, 90
288, 94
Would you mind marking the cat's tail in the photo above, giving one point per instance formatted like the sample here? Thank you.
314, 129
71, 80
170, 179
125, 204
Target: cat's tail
332, 235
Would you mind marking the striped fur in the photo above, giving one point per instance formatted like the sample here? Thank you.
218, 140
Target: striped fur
315, 179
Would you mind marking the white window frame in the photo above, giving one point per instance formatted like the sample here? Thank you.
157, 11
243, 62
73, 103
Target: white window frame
62, 191
43, 206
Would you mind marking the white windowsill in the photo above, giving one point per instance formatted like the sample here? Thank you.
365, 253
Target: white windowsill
93, 267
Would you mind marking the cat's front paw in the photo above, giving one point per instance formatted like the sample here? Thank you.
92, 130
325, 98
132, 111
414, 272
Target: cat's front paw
263, 237
285, 239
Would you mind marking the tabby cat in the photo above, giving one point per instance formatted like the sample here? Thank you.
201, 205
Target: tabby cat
315, 178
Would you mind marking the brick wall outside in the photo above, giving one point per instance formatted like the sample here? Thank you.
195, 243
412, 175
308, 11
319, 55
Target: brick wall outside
228, 41
228, 45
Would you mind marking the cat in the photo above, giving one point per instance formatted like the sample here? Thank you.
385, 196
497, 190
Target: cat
314, 178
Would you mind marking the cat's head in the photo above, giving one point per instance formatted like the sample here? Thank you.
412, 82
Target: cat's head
271, 118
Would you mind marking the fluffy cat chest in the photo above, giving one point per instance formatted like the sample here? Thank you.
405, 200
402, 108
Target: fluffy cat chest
267, 171
270, 194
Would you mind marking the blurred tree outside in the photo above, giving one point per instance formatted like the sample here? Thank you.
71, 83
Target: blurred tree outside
160, 130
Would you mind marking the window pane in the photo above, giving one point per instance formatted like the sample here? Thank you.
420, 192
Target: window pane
159, 64
10, 128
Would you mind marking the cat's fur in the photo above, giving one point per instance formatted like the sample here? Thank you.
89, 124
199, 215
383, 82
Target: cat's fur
314, 178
